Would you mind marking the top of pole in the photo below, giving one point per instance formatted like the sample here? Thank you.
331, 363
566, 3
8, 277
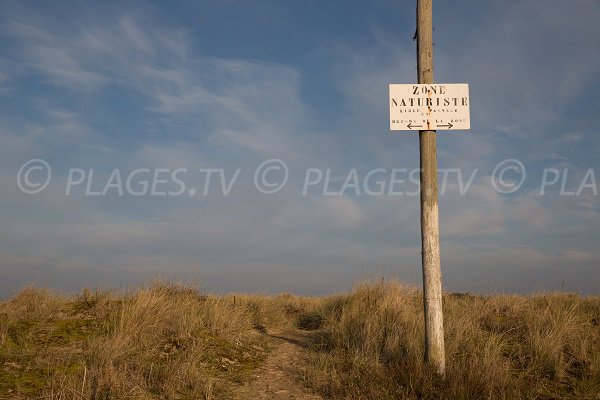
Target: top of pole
424, 41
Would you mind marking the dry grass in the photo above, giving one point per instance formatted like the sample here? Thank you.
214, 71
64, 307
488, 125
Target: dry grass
545, 346
170, 341
164, 341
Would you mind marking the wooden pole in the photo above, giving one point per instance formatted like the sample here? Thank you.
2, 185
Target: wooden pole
430, 234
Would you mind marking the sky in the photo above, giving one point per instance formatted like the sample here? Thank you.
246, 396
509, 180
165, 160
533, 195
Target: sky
287, 104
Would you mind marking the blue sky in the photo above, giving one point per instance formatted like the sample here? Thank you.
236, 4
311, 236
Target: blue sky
231, 84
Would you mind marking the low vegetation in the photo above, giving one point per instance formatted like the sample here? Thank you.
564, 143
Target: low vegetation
170, 341
164, 341
545, 346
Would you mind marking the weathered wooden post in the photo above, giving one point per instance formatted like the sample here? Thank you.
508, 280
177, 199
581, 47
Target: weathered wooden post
430, 231
428, 107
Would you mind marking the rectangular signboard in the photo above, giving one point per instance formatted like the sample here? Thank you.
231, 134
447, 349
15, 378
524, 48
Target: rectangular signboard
416, 107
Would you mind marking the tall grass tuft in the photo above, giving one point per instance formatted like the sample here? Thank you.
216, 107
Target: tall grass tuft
163, 341
498, 347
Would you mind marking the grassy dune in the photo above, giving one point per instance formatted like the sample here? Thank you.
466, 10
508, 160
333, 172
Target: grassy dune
170, 341
545, 346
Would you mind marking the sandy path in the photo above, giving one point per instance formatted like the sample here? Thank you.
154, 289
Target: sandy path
281, 376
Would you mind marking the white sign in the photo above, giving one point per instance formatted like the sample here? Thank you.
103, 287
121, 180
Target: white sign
415, 107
